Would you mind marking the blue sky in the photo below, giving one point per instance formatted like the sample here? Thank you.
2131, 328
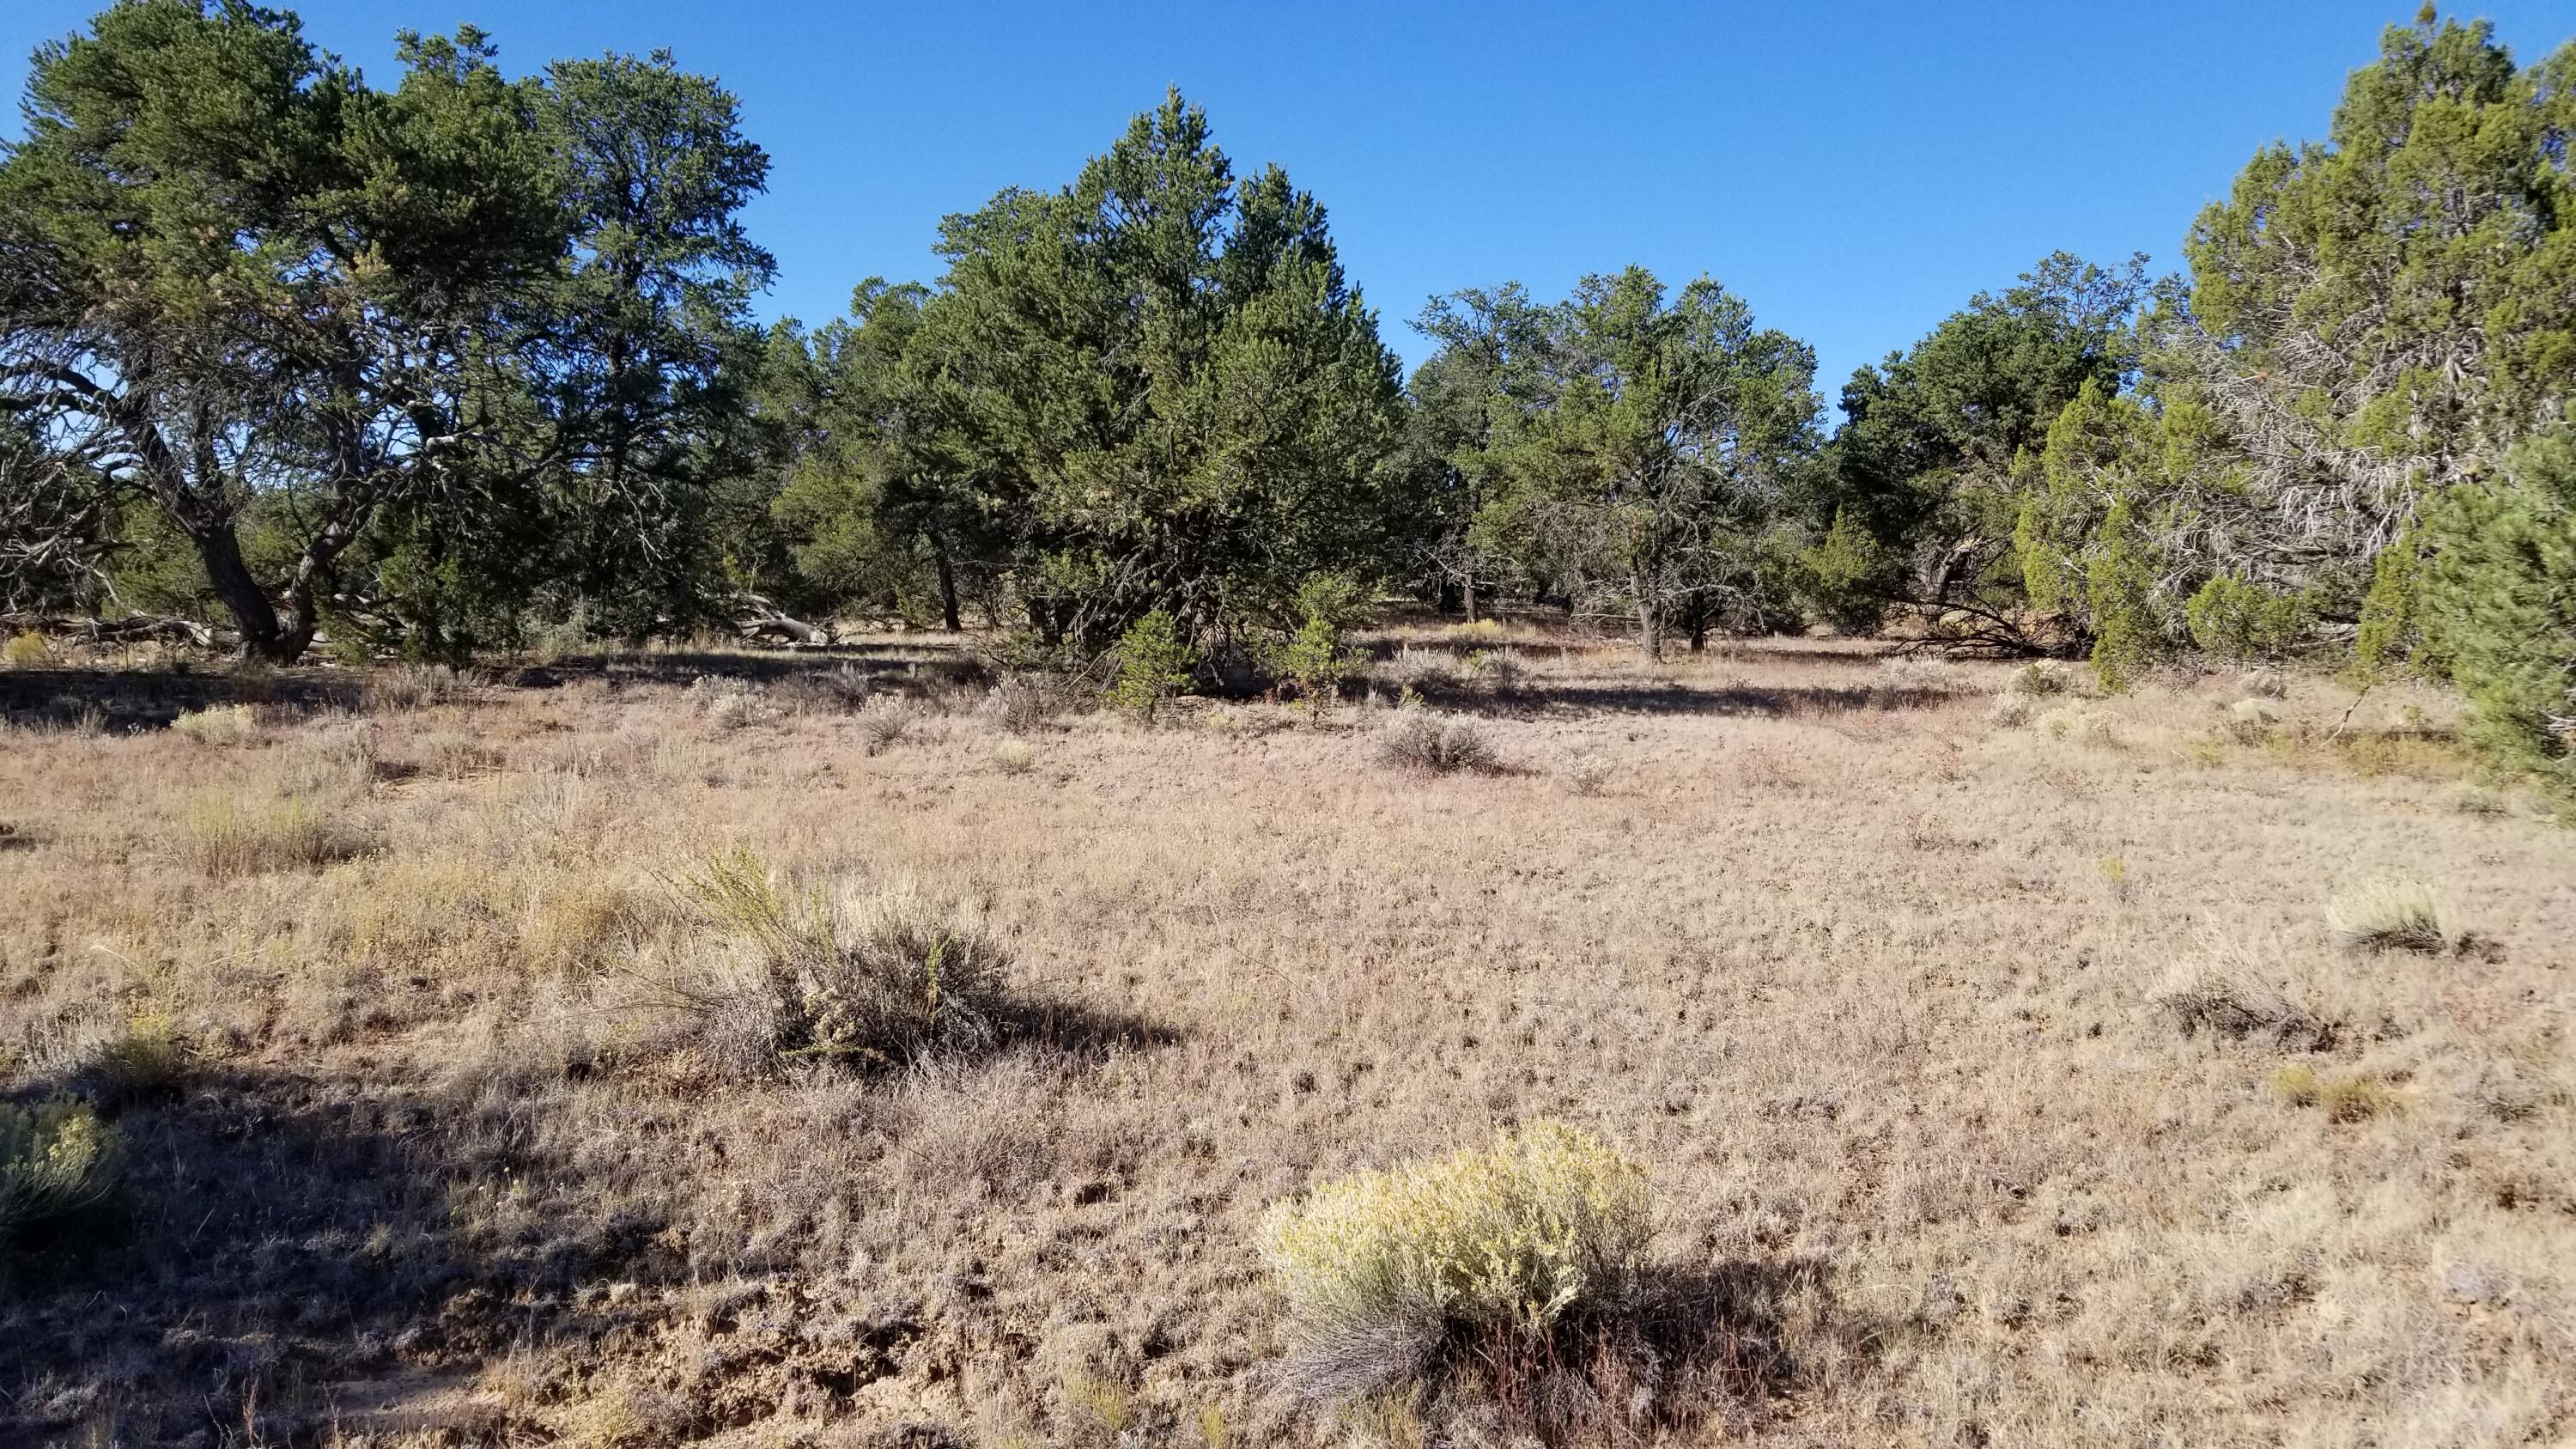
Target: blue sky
1855, 170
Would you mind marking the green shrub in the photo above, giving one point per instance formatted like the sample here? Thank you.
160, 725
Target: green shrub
2502, 607
1385, 1274
56, 1160
1154, 664
2231, 618
1315, 662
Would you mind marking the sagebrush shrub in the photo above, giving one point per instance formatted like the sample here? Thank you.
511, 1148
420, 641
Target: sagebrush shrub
56, 1160
1422, 740
223, 724
1386, 1274
1915, 674
2039, 678
2009, 711
885, 721
1024, 700
2250, 721
835, 974
2399, 916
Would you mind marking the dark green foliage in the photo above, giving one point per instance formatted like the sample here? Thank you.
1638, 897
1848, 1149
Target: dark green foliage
1933, 463
2231, 618
1159, 381
1627, 448
231, 272
1154, 664
2502, 600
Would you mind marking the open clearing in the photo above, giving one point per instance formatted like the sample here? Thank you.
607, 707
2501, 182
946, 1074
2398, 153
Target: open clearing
1889, 995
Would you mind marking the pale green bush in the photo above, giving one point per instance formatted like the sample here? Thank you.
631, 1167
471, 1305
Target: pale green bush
1386, 1273
56, 1160
224, 724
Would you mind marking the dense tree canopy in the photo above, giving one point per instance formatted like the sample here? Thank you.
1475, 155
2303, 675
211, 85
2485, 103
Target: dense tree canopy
440, 367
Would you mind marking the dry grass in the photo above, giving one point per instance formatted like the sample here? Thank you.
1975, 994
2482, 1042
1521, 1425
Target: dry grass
1933, 1159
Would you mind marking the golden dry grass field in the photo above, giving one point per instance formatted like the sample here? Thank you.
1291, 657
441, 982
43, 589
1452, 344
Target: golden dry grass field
1997, 1069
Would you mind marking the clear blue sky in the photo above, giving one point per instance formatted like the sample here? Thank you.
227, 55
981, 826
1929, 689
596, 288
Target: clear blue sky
1856, 170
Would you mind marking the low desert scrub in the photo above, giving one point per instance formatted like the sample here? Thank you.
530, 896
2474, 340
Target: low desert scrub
104, 1058
2039, 679
25, 650
1587, 773
1014, 757
2264, 684
2250, 721
1420, 739
835, 974
232, 831
2009, 711
2227, 997
1916, 674
2398, 916
57, 1160
1414, 667
825, 691
1496, 671
2352, 1097
223, 724
730, 704
884, 722
398, 688
1393, 1277
1024, 700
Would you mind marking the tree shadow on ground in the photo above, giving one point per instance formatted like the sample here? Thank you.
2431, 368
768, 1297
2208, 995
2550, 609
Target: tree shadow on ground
926, 663
271, 1235
124, 700
1538, 700
290, 1257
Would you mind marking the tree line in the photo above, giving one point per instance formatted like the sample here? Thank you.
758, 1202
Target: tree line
451, 365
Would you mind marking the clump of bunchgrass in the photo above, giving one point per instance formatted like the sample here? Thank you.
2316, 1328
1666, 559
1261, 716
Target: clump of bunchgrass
2225, 996
1014, 757
831, 974
231, 831
1422, 739
1587, 773
2348, 1098
730, 704
57, 1160
2392, 916
223, 724
1392, 1276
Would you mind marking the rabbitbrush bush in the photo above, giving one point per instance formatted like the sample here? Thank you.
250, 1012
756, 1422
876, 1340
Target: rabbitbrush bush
56, 1159
1387, 1273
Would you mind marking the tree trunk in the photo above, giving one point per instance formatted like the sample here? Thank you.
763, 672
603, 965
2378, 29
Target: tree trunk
1649, 636
263, 637
947, 586
1467, 587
